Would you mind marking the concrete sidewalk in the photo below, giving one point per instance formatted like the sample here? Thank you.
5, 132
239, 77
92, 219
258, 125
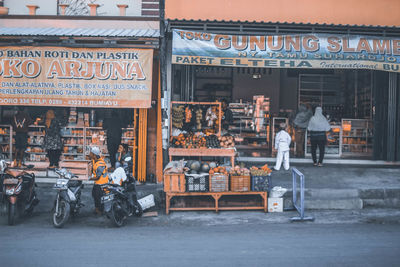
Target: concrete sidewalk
344, 187
331, 187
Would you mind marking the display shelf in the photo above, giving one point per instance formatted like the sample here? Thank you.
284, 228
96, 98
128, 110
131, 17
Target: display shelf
251, 125
6, 146
357, 137
217, 196
203, 152
34, 151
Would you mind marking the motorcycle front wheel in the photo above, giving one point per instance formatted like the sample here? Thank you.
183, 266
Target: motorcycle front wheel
11, 213
117, 215
60, 216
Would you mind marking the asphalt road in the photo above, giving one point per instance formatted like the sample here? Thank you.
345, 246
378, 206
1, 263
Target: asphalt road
92, 241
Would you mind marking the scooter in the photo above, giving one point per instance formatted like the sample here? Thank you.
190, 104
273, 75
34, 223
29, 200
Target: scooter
18, 192
119, 198
68, 199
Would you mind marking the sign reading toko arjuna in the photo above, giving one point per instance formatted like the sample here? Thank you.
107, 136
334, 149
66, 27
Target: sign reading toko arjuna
80, 77
322, 51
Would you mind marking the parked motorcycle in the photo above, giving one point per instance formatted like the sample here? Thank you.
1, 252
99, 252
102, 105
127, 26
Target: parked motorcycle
68, 199
18, 192
119, 198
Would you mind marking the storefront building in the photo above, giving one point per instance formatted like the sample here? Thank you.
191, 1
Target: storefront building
266, 70
84, 68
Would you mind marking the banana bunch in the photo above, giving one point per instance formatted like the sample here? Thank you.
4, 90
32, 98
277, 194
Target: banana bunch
178, 115
199, 118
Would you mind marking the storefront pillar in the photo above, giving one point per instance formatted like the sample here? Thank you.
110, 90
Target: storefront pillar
392, 137
142, 145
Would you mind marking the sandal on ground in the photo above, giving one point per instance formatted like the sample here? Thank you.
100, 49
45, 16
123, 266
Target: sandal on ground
315, 164
320, 165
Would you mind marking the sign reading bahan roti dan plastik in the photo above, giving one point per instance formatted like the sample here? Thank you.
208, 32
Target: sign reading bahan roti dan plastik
79, 77
322, 51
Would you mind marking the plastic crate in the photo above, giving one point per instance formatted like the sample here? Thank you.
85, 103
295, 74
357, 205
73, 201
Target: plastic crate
174, 182
197, 183
219, 182
240, 183
260, 183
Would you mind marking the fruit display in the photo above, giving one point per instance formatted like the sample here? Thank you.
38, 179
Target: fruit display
226, 141
238, 171
189, 141
212, 141
219, 169
188, 114
178, 115
199, 118
262, 171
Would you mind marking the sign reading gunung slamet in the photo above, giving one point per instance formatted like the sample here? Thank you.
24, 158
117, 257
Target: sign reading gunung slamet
78, 77
322, 51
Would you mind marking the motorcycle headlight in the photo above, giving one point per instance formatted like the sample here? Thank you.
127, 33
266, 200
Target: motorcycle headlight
10, 191
61, 182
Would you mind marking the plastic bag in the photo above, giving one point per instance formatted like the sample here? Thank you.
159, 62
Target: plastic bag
118, 176
277, 191
175, 167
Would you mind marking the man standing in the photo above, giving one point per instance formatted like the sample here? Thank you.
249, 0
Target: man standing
20, 124
227, 115
100, 177
301, 122
113, 126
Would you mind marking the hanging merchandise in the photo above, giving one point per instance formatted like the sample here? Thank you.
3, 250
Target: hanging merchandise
177, 116
211, 117
199, 118
188, 114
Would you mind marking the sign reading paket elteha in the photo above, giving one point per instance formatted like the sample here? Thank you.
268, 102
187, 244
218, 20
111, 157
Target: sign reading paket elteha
322, 51
80, 77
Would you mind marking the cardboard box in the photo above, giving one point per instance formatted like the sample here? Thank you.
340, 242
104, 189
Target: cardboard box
275, 204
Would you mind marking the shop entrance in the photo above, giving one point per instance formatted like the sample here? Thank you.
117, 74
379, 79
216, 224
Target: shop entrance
80, 129
261, 98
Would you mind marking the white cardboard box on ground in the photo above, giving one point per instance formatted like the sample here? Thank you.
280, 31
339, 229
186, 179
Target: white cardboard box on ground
275, 204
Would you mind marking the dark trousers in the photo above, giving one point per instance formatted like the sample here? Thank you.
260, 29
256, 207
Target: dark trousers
320, 143
21, 142
54, 156
112, 147
97, 193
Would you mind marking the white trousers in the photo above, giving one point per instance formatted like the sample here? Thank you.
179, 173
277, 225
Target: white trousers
282, 155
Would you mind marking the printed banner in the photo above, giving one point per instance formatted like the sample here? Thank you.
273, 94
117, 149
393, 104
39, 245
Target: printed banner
321, 51
77, 77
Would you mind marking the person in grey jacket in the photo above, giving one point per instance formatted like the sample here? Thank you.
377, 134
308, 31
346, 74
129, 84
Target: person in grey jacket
317, 128
300, 122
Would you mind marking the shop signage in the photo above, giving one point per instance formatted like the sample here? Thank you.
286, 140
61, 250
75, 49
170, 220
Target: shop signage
78, 77
321, 51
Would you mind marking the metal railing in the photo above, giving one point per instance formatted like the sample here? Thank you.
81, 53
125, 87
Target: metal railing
300, 209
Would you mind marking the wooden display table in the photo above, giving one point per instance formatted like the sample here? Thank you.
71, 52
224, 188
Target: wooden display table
203, 152
217, 196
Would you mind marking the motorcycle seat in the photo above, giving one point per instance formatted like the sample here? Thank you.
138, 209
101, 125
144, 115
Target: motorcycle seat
16, 173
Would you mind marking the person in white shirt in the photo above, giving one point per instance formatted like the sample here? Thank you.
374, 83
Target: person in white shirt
282, 143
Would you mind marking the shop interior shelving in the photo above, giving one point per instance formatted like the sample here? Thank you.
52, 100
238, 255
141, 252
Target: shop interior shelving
357, 137
251, 132
35, 150
73, 138
6, 143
